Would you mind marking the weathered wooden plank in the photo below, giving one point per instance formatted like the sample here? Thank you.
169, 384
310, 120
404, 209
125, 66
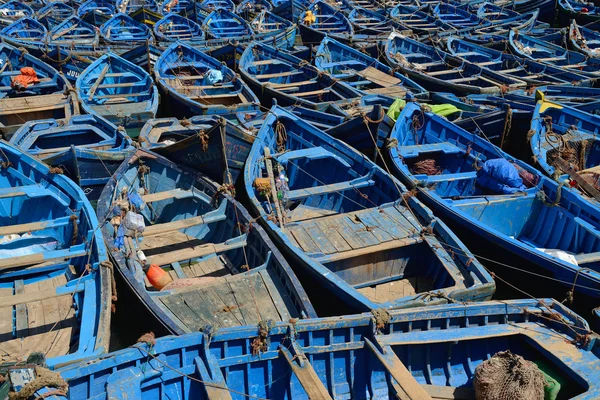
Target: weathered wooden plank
382, 292
281, 300
361, 230
35, 310
177, 305
347, 233
248, 304
22, 324
304, 240
228, 308
170, 194
333, 235
318, 237
204, 307
450, 393
407, 386
377, 229
307, 376
368, 250
158, 229
263, 298
6, 316
193, 252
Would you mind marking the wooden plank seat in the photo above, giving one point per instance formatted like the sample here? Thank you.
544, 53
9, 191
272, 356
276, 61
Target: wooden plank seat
447, 177
35, 226
208, 218
170, 194
345, 62
488, 63
44, 257
266, 62
290, 84
120, 95
34, 191
445, 72
278, 74
197, 251
313, 93
313, 153
415, 150
357, 183
462, 80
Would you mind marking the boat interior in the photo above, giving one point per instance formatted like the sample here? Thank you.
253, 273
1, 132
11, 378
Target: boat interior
349, 221
222, 274
530, 216
44, 286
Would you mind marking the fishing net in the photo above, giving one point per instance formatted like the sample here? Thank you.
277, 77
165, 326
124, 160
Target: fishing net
571, 146
507, 376
426, 167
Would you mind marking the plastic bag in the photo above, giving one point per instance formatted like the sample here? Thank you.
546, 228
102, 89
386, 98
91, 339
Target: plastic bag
133, 223
214, 76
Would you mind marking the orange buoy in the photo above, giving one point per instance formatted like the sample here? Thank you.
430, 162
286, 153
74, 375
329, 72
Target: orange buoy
158, 277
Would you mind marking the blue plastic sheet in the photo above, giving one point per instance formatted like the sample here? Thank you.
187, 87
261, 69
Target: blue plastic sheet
500, 176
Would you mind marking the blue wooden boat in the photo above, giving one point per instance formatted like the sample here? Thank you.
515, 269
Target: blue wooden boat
55, 281
362, 72
96, 12
199, 143
329, 21
146, 16
223, 24
177, 7
225, 271
582, 12
267, 24
561, 131
14, 10
439, 71
458, 17
48, 95
194, 83
370, 22
213, 5
88, 149
532, 72
73, 31
437, 360
119, 91
507, 18
143, 56
131, 6
584, 40
542, 51
54, 13
337, 226
277, 74
419, 21
501, 202
25, 30
249, 9
123, 29
174, 27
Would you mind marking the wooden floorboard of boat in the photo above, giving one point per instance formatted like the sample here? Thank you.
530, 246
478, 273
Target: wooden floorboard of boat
390, 291
50, 324
230, 301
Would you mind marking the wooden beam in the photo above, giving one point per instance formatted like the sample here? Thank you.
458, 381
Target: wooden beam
98, 82
392, 244
307, 376
38, 258
159, 229
585, 185
193, 252
408, 388
23, 298
33, 226
170, 194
